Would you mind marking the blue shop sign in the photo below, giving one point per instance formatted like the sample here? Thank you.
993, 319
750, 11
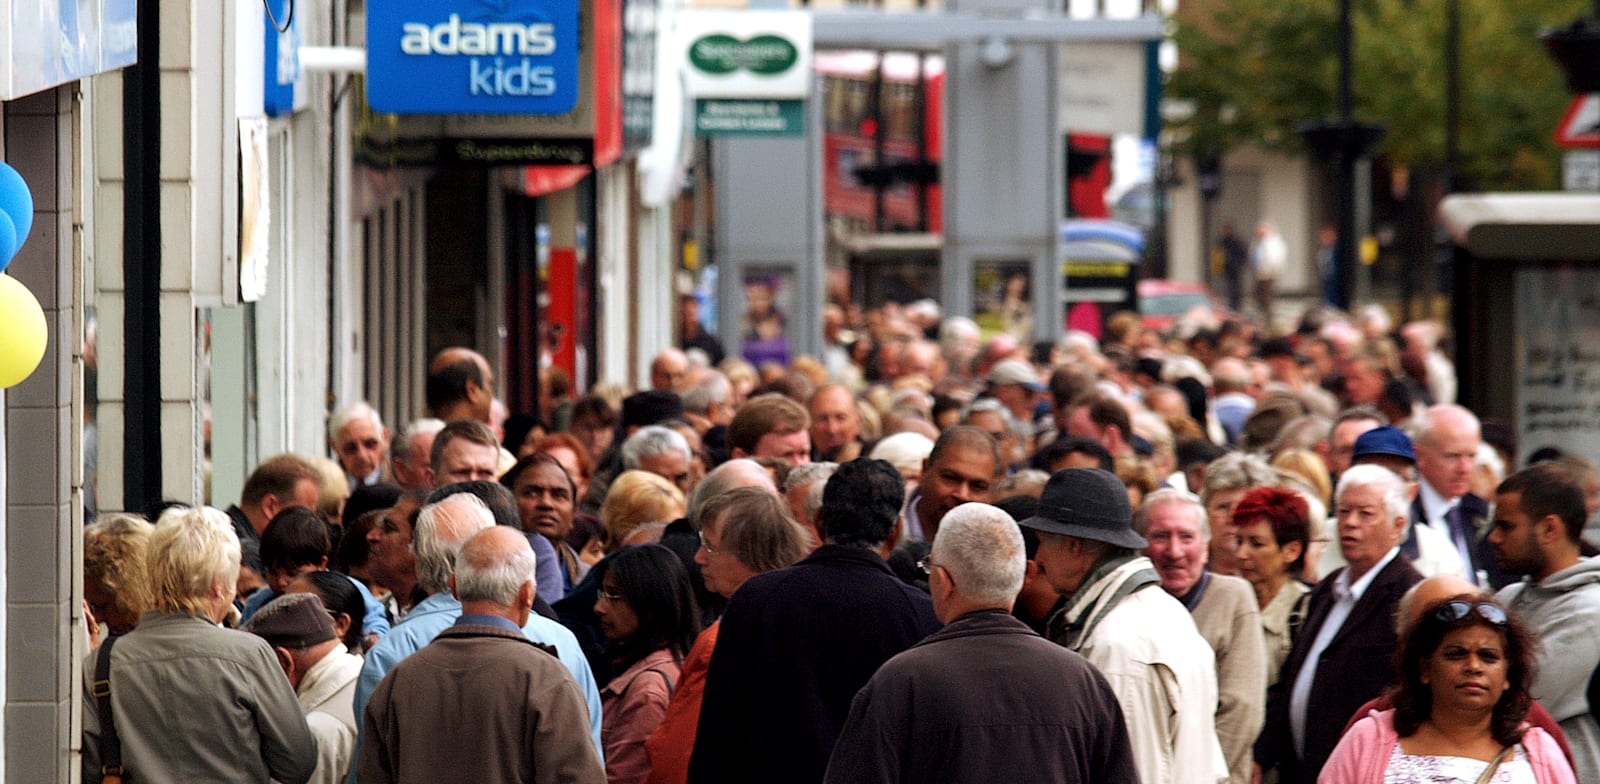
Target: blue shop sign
472, 56
280, 60
44, 43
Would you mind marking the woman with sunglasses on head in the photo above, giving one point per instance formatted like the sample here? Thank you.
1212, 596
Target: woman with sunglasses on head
1460, 703
648, 612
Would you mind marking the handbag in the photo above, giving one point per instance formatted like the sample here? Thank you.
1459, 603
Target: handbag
1494, 765
110, 744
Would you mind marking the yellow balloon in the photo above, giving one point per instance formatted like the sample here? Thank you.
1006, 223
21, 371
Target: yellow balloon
23, 332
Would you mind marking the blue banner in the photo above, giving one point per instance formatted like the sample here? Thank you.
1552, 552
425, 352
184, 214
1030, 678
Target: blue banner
51, 42
472, 56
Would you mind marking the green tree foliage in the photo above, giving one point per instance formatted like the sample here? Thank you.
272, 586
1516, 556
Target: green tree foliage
1254, 69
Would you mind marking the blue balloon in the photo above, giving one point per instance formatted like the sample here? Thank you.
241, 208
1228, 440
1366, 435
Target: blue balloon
16, 201
8, 242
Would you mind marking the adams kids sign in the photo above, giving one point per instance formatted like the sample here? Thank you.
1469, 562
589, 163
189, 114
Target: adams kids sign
472, 56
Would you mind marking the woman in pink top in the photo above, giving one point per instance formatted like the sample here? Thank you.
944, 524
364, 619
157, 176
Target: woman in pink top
743, 533
648, 612
1462, 695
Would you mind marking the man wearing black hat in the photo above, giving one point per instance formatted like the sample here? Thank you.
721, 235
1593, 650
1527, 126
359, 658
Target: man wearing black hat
322, 672
1137, 635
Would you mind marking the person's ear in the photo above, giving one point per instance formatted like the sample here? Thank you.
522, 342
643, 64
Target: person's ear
322, 564
341, 625
525, 594
1551, 529
1030, 570
452, 585
285, 661
1292, 552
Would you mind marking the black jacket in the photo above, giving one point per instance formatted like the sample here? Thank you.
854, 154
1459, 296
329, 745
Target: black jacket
1475, 513
1357, 665
795, 646
985, 699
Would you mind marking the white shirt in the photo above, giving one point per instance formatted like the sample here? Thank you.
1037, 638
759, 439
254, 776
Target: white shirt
1437, 508
1346, 595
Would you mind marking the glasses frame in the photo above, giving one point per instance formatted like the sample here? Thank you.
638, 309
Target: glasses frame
1456, 610
709, 549
615, 598
926, 564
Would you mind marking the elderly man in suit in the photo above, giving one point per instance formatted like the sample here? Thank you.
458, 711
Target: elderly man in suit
1344, 654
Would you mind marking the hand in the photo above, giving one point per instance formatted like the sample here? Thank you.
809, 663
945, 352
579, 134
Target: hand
93, 624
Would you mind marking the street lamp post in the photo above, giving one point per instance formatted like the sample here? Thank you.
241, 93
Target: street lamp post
1345, 142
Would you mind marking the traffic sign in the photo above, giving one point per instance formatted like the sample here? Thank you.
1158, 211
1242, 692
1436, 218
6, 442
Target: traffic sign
1581, 125
1580, 171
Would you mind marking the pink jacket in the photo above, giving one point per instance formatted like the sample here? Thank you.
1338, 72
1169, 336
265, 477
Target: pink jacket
1363, 753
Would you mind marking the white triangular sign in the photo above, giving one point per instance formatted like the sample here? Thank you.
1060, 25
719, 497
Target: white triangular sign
1581, 125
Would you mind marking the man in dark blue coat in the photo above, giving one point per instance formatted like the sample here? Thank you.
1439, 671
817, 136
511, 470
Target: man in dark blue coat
796, 644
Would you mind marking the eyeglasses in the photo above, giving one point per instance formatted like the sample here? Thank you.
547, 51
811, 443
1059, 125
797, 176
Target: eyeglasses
610, 597
926, 564
706, 543
1457, 610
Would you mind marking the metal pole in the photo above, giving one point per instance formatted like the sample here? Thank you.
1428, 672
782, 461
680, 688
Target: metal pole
1345, 250
1452, 94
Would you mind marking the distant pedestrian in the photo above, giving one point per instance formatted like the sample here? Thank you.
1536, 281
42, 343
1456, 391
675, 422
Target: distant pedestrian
1235, 253
986, 698
1269, 258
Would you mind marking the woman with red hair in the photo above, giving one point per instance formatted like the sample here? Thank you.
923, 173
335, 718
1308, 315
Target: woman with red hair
1274, 528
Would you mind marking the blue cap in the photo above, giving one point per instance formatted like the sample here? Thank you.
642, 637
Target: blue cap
1385, 440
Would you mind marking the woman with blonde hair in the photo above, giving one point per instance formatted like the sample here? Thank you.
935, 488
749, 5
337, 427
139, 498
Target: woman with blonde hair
635, 498
1304, 464
193, 701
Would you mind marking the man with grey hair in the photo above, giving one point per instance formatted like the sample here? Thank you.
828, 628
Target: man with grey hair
410, 454
357, 436
1344, 653
661, 451
321, 671
440, 531
706, 402
1447, 439
1225, 611
519, 717
802, 488
1008, 705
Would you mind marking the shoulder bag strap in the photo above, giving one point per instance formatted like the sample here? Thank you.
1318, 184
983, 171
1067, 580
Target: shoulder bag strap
1494, 765
110, 744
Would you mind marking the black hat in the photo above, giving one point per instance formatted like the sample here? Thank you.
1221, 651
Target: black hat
1087, 503
1277, 347
650, 407
296, 620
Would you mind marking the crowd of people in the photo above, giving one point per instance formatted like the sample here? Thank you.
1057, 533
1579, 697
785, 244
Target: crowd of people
927, 555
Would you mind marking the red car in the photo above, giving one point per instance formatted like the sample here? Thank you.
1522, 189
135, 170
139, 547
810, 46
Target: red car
1163, 302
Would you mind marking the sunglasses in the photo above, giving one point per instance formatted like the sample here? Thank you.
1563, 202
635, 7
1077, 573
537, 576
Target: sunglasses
1457, 610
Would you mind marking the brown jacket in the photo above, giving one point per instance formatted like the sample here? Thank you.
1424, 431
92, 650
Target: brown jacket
480, 704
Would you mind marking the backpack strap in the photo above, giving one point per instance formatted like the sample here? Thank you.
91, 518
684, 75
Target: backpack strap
100, 688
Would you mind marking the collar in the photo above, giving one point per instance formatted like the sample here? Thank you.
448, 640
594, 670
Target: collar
913, 522
1343, 587
325, 678
842, 552
1434, 505
484, 619
655, 660
1192, 599
440, 602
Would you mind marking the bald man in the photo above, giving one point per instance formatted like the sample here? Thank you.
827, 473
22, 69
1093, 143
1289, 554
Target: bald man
668, 370
460, 385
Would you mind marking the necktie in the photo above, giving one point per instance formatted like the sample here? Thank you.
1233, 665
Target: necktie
1462, 539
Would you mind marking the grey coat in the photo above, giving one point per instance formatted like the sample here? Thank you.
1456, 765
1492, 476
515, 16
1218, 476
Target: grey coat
194, 702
